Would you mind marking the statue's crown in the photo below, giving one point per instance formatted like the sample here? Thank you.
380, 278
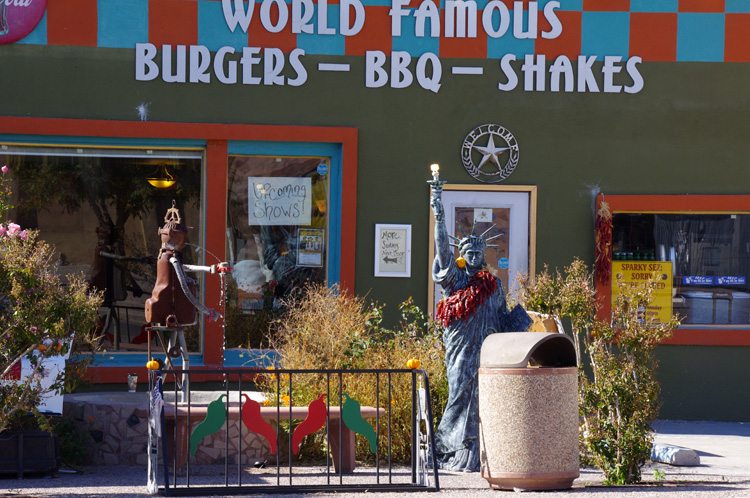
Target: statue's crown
472, 240
475, 241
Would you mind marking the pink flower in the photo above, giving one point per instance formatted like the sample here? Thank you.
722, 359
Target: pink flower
13, 229
4, 169
23, 234
2, 229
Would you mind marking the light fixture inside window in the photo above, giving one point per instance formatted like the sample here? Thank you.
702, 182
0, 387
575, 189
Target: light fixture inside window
161, 178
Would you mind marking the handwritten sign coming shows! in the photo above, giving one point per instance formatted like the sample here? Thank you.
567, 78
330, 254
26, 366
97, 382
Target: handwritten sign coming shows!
279, 201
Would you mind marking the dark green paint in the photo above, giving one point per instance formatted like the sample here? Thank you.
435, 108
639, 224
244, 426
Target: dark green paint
686, 132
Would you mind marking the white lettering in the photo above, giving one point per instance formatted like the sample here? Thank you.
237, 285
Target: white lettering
510, 74
200, 61
552, 19
634, 74
518, 20
585, 75
302, 13
145, 67
265, 15
375, 75
487, 14
166, 64
323, 28
460, 19
397, 12
273, 64
610, 68
345, 27
229, 76
294, 60
401, 77
250, 58
531, 69
238, 15
426, 10
563, 66
426, 82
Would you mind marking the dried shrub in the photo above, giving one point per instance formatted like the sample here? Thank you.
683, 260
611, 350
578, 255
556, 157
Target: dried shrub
328, 329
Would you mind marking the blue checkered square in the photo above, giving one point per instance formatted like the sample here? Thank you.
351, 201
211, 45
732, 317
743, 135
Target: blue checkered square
122, 23
213, 31
700, 37
605, 33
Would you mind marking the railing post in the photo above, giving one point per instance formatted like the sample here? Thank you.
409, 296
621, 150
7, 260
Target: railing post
414, 440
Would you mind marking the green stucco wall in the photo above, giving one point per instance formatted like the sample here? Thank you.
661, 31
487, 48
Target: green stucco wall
684, 133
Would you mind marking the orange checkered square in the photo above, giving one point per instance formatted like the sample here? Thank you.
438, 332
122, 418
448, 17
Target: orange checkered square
737, 38
653, 36
375, 34
172, 22
72, 22
569, 41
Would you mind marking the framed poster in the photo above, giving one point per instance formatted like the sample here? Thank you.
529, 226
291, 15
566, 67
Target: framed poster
392, 250
512, 211
310, 245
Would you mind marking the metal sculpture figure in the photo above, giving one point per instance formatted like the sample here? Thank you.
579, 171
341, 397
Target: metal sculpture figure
172, 305
473, 307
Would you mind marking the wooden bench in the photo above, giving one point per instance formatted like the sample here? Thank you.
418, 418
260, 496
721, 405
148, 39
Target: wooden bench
269, 413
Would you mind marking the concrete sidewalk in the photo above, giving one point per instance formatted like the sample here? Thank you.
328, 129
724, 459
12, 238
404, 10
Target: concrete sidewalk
724, 471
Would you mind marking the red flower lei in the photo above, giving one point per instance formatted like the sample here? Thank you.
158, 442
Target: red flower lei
464, 302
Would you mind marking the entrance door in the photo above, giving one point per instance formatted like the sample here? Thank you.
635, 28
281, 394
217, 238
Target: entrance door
506, 213
281, 238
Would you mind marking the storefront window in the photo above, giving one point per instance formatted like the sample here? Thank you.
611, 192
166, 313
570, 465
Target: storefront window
277, 227
709, 256
101, 208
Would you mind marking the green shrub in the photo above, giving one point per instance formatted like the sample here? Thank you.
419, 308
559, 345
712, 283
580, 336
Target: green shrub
39, 313
619, 399
328, 329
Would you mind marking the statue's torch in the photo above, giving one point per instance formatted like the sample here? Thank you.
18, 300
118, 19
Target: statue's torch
436, 184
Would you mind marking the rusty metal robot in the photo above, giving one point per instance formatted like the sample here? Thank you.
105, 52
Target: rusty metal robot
173, 306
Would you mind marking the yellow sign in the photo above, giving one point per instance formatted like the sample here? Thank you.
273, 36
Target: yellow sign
636, 274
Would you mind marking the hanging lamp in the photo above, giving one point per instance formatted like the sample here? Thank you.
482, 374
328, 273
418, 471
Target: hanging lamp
161, 178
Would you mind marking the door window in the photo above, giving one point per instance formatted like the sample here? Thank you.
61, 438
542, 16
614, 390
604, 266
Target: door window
100, 207
277, 238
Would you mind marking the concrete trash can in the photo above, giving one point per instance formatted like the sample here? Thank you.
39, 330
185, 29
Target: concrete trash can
528, 411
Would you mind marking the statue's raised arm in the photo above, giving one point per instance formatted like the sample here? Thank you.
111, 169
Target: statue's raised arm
443, 252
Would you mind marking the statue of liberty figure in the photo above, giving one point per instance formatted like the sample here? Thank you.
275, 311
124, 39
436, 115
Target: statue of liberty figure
473, 306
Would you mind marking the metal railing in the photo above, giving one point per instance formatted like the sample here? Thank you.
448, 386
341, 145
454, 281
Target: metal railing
172, 432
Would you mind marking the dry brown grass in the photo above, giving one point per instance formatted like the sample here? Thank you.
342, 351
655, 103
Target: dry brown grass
327, 329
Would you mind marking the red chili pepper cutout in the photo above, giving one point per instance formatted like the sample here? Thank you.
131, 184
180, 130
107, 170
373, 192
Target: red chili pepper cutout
316, 418
254, 422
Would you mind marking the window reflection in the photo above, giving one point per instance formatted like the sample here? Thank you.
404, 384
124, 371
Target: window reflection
710, 256
99, 211
277, 239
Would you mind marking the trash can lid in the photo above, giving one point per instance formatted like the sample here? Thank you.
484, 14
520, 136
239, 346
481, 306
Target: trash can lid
516, 349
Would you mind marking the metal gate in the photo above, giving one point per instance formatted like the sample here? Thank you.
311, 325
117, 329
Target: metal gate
180, 422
